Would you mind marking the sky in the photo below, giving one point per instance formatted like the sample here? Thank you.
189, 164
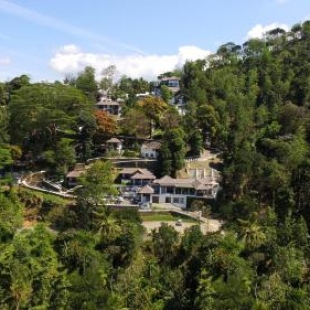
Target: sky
51, 39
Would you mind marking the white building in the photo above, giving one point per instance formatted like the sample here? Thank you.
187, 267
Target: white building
150, 149
177, 191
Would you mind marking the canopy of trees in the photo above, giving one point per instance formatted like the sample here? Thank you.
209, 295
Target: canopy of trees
252, 102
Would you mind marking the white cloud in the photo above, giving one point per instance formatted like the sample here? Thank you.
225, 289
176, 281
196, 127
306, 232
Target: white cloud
5, 61
70, 60
259, 30
69, 49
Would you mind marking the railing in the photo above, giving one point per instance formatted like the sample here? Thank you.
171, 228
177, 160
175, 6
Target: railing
38, 177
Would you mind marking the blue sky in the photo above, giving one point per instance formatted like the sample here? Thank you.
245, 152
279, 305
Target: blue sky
50, 39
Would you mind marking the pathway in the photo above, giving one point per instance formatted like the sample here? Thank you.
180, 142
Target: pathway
206, 224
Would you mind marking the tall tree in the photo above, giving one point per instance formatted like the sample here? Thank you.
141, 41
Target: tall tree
107, 81
40, 113
96, 186
30, 272
86, 82
153, 108
62, 158
172, 151
106, 125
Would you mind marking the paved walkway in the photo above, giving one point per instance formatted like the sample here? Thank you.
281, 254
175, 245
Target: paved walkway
206, 227
206, 224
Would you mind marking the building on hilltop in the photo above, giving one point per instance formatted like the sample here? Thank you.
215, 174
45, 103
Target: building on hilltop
109, 106
172, 82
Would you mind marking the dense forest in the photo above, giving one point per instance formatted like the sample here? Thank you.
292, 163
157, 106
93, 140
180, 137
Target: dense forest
251, 101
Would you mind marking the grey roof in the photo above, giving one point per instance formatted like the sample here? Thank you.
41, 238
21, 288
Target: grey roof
79, 166
198, 184
146, 190
75, 173
143, 176
151, 145
133, 170
113, 140
166, 180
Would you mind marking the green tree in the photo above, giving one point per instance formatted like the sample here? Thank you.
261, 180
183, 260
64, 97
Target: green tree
30, 272
196, 143
62, 158
96, 186
172, 152
86, 82
153, 108
251, 232
164, 242
166, 93
88, 270
205, 299
40, 114
107, 80
11, 215
108, 226
135, 123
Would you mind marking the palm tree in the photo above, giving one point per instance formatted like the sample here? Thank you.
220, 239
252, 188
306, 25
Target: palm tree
108, 226
251, 232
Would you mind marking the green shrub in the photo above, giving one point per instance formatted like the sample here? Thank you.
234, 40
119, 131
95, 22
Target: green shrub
130, 153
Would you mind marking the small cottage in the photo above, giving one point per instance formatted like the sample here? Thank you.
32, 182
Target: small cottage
150, 149
114, 144
73, 176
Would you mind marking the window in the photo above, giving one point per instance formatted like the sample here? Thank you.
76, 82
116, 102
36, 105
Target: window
173, 84
156, 189
170, 190
178, 191
178, 200
166, 190
185, 191
192, 191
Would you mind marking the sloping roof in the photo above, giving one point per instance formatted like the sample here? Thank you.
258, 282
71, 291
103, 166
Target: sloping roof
129, 170
166, 180
185, 183
134, 170
113, 140
198, 184
206, 183
146, 190
152, 145
75, 173
146, 175
79, 166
